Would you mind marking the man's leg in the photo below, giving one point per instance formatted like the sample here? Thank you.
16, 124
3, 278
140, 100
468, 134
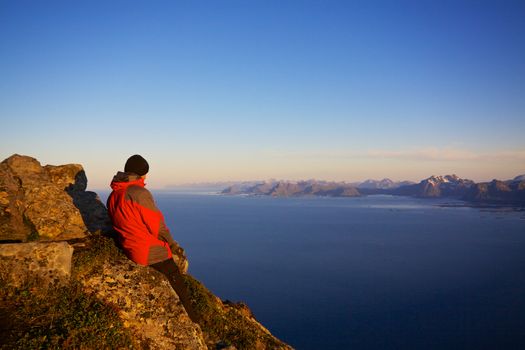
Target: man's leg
169, 269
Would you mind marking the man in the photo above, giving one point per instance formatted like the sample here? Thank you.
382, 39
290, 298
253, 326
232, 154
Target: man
141, 230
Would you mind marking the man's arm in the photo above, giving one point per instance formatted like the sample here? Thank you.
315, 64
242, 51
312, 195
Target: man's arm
164, 232
153, 218
177, 252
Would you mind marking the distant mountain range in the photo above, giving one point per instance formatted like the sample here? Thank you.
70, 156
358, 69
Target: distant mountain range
448, 186
300, 188
219, 185
382, 184
496, 191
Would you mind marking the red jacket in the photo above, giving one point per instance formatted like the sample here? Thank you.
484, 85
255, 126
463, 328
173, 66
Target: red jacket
140, 224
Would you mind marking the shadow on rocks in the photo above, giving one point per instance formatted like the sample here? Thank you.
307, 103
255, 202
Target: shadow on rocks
92, 210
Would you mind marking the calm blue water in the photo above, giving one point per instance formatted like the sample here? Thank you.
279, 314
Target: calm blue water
377, 272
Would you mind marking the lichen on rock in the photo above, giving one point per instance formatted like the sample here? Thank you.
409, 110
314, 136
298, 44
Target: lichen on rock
147, 304
49, 262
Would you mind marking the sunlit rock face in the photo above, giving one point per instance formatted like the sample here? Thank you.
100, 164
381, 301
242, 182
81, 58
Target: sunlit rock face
48, 263
147, 304
46, 203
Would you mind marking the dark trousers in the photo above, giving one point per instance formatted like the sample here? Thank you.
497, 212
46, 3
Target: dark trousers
169, 269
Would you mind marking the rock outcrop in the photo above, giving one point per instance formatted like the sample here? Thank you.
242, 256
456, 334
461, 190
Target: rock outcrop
147, 305
49, 263
46, 203
152, 311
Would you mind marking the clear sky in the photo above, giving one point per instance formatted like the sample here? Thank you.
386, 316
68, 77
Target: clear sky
243, 90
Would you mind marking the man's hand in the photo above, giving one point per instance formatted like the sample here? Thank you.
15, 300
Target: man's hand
177, 250
179, 257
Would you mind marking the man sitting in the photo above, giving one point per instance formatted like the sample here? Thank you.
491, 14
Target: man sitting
141, 229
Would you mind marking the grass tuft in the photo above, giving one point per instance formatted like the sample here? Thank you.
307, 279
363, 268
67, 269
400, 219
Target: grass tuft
64, 317
89, 260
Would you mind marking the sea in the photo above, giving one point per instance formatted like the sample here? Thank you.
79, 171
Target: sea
375, 272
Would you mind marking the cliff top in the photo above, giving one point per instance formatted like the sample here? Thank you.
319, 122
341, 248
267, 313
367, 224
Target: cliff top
96, 297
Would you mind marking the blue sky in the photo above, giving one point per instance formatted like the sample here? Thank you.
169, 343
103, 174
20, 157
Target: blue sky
240, 90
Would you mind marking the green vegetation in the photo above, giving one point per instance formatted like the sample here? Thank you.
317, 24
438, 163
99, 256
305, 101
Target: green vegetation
98, 250
64, 317
225, 324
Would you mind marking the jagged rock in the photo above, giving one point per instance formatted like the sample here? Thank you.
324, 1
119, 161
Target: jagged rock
147, 304
49, 263
46, 203
70, 176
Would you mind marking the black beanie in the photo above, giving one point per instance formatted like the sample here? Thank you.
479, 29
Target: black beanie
136, 164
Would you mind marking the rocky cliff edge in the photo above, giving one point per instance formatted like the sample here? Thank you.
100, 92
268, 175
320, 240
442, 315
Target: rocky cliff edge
82, 292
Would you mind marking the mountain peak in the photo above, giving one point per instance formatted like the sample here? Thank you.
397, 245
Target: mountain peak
519, 178
439, 179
